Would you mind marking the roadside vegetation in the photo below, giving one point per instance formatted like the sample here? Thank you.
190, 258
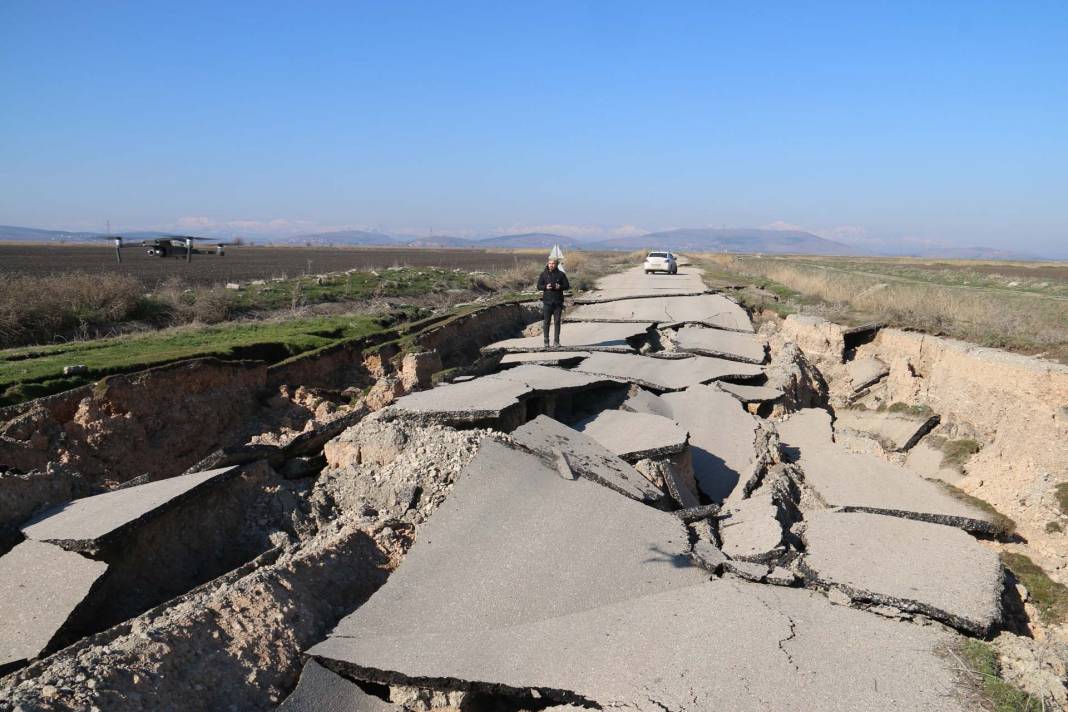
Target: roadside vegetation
1048, 596
266, 320
981, 662
1016, 306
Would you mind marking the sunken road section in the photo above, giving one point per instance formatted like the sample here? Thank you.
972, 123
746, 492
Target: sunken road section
595, 531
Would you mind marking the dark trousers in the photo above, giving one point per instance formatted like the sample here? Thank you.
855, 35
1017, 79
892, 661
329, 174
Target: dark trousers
548, 311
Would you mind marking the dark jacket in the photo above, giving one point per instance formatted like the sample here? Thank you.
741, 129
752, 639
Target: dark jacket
557, 278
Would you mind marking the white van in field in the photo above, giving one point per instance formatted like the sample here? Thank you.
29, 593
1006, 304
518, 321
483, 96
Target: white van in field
661, 262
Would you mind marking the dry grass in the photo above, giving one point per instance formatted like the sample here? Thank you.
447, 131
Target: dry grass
1028, 322
37, 308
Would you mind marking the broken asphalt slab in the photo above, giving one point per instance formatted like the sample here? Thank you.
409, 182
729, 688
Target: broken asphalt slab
865, 483
322, 690
544, 358
588, 598
587, 457
752, 531
665, 374
913, 566
635, 436
771, 648
41, 586
712, 310
93, 523
583, 336
897, 432
731, 345
751, 394
864, 372
538, 545
723, 440
492, 398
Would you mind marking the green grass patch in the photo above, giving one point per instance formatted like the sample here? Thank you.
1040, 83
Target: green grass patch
918, 410
1061, 492
957, 452
1004, 524
982, 661
353, 286
32, 372
1048, 596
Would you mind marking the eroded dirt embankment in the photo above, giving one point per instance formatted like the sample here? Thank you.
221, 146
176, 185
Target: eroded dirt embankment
1014, 407
160, 422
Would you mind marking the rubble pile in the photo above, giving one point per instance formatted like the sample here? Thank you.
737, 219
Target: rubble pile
661, 515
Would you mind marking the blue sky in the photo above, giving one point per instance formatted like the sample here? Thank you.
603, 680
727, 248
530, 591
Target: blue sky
943, 122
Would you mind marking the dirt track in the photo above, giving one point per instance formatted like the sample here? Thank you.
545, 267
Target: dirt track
239, 263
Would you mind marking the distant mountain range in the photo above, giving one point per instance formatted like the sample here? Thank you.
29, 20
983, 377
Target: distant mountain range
741, 240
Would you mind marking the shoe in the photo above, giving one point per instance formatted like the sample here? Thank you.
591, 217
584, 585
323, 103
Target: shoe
556, 345
546, 345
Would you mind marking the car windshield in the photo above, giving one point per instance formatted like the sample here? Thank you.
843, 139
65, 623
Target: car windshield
658, 254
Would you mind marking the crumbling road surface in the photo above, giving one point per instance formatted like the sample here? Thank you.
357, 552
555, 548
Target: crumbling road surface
613, 525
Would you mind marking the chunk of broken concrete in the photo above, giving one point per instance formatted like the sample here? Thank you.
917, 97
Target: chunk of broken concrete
894, 431
41, 587
662, 374
587, 457
634, 436
913, 566
586, 336
731, 345
866, 483
93, 523
322, 690
712, 310
748, 570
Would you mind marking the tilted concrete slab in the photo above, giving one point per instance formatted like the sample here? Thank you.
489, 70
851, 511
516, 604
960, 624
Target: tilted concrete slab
752, 531
634, 436
322, 690
713, 310
864, 372
587, 457
918, 567
665, 374
895, 431
552, 357
588, 336
723, 440
93, 523
751, 394
718, 644
41, 586
537, 545
865, 483
732, 345
490, 398
640, 400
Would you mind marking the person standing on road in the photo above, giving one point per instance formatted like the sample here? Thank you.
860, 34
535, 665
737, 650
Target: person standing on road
552, 284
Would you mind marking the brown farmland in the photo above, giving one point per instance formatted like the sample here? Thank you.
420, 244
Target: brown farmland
240, 264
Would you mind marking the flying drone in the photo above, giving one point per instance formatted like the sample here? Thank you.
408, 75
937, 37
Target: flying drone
169, 246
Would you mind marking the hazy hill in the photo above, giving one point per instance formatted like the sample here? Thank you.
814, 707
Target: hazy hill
532, 239
439, 241
730, 240
344, 237
974, 253
14, 233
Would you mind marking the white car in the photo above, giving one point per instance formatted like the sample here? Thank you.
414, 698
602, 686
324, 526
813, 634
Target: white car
661, 262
